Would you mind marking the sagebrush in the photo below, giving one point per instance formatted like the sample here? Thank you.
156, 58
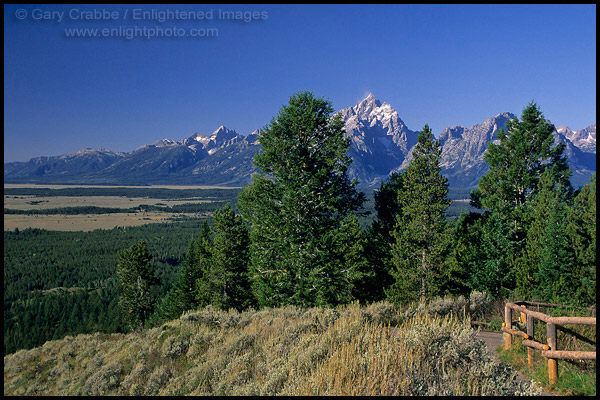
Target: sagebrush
350, 350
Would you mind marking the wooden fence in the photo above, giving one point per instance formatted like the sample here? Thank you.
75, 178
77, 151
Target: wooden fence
549, 350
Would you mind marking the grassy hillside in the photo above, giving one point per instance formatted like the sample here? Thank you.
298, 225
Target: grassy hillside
350, 350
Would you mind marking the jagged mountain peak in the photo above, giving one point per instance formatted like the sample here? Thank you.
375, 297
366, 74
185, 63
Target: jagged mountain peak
218, 137
223, 131
380, 143
379, 140
252, 138
372, 113
223, 135
371, 110
564, 130
585, 139
463, 148
165, 143
367, 105
159, 143
490, 125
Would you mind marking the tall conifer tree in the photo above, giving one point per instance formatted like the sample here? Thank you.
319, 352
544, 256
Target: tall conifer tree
297, 201
582, 231
188, 291
378, 247
193, 270
201, 257
546, 268
481, 253
525, 153
420, 230
228, 273
516, 164
137, 275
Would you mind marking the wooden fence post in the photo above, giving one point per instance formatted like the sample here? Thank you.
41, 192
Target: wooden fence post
508, 324
530, 321
552, 362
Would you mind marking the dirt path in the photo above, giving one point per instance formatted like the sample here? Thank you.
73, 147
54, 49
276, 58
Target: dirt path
492, 341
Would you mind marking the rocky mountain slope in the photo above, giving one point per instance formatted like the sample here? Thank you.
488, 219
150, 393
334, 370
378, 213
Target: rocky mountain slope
380, 144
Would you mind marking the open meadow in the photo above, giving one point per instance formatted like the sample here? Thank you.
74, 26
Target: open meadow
80, 207
88, 222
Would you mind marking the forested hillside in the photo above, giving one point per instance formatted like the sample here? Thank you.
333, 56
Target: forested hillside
58, 283
298, 237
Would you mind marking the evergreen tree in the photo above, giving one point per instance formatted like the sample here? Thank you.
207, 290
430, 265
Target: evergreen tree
582, 231
184, 289
348, 266
166, 310
547, 264
461, 254
184, 295
200, 256
516, 164
137, 275
228, 273
378, 247
523, 155
555, 276
387, 206
296, 202
420, 232
481, 253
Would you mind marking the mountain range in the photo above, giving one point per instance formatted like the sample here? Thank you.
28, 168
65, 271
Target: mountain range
380, 143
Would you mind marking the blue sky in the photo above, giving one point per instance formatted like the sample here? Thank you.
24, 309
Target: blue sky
444, 65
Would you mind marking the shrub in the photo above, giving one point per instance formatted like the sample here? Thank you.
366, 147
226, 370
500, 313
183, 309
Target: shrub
103, 381
349, 350
448, 305
157, 379
175, 346
134, 383
480, 304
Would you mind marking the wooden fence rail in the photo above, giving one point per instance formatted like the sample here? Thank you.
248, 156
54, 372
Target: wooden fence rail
550, 349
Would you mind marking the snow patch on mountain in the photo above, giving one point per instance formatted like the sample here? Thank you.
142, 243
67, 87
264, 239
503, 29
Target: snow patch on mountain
584, 139
380, 143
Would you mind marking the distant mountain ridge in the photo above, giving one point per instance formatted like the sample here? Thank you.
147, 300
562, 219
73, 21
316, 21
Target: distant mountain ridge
463, 148
380, 143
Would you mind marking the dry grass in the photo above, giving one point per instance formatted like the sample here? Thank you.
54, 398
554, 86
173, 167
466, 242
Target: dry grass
19, 202
34, 185
351, 350
89, 222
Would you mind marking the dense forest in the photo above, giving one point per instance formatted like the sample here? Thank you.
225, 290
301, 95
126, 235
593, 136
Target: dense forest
58, 283
298, 235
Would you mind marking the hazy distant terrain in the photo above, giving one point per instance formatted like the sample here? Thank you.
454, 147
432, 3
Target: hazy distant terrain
380, 143
85, 208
